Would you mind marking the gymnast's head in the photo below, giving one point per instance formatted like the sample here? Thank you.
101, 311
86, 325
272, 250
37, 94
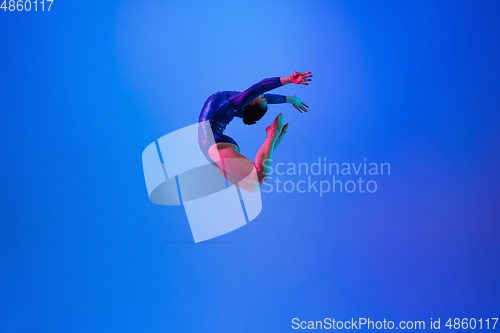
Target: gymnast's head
255, 110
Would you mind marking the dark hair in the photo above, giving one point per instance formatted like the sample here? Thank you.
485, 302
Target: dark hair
253, 112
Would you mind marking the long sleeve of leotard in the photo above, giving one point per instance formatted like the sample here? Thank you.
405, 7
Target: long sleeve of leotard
240, 100
274, 99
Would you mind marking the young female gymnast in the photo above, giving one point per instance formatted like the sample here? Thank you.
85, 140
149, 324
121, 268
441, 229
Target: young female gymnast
251, 105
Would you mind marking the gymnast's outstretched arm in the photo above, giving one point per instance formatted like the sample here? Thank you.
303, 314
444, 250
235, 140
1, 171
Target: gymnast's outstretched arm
279, 99
242, 99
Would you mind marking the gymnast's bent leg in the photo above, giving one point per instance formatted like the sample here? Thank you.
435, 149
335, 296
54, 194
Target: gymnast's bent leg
238, 169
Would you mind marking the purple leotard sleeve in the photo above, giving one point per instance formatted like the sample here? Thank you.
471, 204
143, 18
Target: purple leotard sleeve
275, 99
240, 100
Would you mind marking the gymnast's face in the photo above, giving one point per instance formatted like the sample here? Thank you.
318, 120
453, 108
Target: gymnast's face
255, 110
261, 101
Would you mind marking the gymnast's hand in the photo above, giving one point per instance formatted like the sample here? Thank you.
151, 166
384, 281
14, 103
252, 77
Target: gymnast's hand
301, 78
297, 103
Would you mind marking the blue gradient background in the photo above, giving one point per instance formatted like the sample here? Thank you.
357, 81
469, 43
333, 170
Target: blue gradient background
86, 87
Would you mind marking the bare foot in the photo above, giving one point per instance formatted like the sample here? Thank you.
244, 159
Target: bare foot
276, 127
281, 136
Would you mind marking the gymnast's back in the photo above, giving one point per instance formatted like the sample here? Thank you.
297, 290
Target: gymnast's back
219, 111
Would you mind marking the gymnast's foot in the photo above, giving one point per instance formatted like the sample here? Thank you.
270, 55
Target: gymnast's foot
274, 130
281, 136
